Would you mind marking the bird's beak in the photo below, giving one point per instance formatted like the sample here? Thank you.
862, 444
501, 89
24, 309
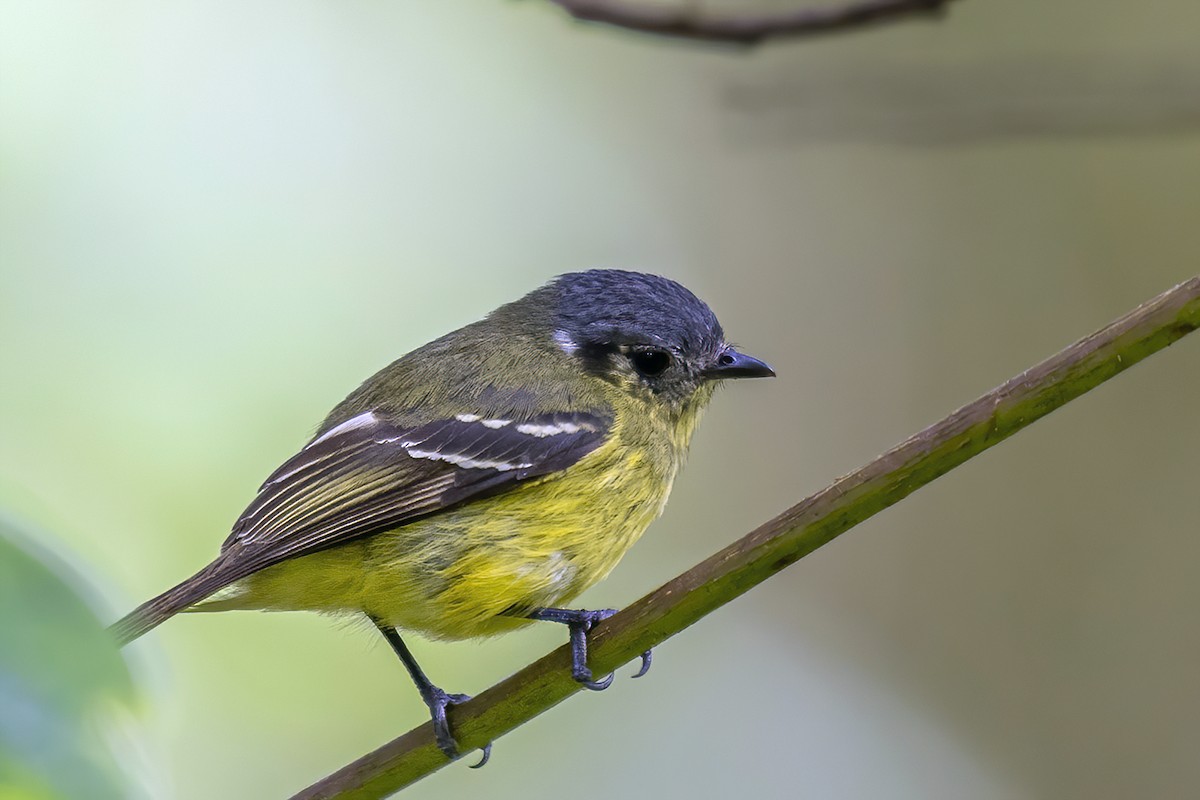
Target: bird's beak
732, 364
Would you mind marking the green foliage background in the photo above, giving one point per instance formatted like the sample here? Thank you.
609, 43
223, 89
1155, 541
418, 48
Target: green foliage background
62, 684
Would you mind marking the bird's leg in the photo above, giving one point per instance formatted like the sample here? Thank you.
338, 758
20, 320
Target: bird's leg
436, 699
579, 622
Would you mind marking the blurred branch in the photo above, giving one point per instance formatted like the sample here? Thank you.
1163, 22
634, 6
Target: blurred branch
686, 22
965, 101
782, 541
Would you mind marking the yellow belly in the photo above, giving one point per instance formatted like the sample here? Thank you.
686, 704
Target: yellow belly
474, 570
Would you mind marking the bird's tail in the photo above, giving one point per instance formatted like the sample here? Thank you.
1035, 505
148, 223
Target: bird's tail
157, 610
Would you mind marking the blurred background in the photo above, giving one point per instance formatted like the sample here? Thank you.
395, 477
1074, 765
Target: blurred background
217, 218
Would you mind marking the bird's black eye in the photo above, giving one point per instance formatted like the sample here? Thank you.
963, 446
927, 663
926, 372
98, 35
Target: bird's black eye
650, 362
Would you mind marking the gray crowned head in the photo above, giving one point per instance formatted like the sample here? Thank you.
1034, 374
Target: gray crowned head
646, 333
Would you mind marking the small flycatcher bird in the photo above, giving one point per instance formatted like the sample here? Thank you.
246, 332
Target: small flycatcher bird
485, 479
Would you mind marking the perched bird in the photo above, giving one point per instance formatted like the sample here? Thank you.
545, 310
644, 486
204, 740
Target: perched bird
485, 479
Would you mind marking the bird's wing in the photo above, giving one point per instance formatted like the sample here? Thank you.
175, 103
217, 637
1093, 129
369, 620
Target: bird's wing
369, 474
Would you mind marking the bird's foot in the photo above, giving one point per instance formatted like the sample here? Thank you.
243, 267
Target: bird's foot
438, 701
579, 622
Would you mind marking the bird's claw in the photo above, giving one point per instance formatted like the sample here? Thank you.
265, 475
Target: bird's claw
487, 753
646, 656
596, 686
579, 622
438, 703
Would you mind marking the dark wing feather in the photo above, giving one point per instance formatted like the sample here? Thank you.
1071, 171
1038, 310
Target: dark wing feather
369, 475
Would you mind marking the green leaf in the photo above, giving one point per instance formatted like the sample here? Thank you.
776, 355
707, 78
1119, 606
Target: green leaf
62, 681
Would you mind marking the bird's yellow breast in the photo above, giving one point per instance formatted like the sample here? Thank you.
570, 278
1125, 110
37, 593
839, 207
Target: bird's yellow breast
475, 570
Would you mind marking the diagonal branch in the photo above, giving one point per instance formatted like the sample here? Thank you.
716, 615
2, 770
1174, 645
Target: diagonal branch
780, 542
686, 23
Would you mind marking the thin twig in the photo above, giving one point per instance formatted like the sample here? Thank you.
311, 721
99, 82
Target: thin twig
685, 22
780, 542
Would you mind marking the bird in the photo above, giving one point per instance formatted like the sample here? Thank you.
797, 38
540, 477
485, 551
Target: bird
484, 480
